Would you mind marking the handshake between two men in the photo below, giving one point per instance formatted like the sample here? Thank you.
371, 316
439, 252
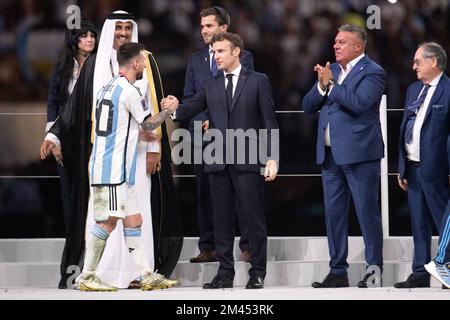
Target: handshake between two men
169, 106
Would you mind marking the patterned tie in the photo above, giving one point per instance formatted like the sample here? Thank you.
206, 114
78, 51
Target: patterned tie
214, 69
229, 91
412, 110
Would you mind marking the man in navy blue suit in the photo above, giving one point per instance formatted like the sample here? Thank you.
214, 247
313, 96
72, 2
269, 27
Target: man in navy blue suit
349, 148
238, 101
423, 166
201, 68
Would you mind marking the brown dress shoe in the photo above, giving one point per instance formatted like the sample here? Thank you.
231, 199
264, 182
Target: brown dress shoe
205, 256
246, 256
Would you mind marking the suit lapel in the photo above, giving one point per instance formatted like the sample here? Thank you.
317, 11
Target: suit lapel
220, 89
335, 70
357, 68
240, 84
206, 61
436, 95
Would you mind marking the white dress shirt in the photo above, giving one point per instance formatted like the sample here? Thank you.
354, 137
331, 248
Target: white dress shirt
211, 57
413, 148
342, 75
235, 78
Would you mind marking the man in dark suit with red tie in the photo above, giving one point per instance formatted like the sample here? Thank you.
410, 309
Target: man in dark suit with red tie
423, 166
201, 68
237, 100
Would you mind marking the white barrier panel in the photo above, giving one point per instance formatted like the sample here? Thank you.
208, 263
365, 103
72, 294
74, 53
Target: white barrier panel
384, 170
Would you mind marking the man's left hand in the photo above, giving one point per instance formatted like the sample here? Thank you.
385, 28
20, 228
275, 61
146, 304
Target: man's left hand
148, 136
271, 170
153, 162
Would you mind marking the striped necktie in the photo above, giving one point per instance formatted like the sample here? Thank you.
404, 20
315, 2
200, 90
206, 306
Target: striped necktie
412, 110
214, 69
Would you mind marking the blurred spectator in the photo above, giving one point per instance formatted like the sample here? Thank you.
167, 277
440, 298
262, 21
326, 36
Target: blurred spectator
277, 32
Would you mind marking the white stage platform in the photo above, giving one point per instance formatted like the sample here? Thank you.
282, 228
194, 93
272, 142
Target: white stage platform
238, 293
29, 269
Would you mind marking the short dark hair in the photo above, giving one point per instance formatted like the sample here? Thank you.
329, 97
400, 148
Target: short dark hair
433, 49
128, 51
222, 16
234, 38
358, 31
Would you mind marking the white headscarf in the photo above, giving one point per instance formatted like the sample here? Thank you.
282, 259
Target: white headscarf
102, 73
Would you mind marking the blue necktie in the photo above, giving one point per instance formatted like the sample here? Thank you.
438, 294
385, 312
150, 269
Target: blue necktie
214, 69
412, 113
229, 91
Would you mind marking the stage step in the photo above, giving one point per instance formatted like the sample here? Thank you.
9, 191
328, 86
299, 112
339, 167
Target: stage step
316, 249
31, 250
291, 273
292, 261
279, 273
278, 249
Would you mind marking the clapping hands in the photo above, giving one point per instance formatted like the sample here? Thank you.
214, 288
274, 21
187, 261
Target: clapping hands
324, 75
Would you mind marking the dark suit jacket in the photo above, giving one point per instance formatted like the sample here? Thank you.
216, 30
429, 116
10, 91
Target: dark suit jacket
352, 110
252, 108
448, 152
434, 133
198, 72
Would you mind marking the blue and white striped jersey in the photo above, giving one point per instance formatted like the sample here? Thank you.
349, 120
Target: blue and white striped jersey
119, 111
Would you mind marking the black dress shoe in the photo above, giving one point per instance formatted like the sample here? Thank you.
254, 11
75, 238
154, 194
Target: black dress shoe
219, 282
414, 281
370, 281
444, 287
255, 283
332, 281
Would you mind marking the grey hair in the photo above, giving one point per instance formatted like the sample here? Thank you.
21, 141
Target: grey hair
360, 32
433, 49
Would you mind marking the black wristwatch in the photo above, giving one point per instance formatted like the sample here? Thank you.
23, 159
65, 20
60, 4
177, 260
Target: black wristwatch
331, 82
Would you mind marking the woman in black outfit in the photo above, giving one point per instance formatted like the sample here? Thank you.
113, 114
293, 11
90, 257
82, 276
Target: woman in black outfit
80, 43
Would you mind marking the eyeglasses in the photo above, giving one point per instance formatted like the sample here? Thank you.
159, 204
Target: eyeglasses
418, 62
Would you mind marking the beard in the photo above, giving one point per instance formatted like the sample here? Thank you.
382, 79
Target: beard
140, 75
